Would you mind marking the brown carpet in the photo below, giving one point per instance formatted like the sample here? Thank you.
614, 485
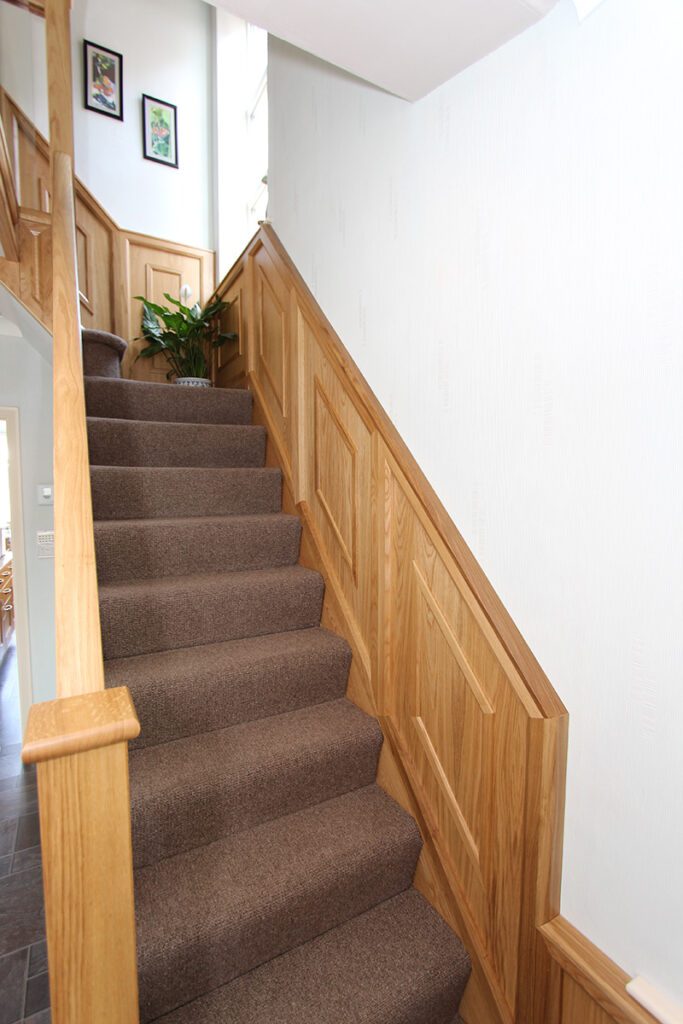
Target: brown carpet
273, 877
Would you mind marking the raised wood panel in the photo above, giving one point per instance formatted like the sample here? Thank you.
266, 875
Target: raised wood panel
154, 268
337, 481
95, 250
9, 207
459, 721
579, 1008
271, 358
34, 170
35, 265
230, 368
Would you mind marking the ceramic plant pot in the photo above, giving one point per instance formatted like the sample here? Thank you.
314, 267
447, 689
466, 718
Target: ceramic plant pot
193, 382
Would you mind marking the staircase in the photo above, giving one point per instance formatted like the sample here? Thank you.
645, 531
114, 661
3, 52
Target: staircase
272, 875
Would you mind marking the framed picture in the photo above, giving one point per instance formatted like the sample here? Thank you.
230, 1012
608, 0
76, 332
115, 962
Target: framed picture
103, 80
160, 131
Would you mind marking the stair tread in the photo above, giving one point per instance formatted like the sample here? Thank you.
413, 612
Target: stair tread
149, 548
126, 442
193, 690
197, 789
216, 912
144, 616
141, 492
142, 400
398, 963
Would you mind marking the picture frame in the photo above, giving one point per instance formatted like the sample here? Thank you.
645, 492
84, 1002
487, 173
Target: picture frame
102, 80
159, 131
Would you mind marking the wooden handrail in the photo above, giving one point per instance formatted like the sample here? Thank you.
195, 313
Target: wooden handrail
33, 6
79, 645
79, 741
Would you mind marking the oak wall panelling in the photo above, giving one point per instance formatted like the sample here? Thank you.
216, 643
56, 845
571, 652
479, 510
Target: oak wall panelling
593, 986
474, 734
229, 361
113, 265
153, 267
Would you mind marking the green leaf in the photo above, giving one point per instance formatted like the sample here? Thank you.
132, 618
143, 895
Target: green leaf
159, 310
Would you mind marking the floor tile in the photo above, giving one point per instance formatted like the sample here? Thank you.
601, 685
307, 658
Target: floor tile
12, 981
39, 1018
37, 994
10, 765
8, 832
25, 777
38, 959
28, 832
16, 802
10, 748
5, 865
25, 859
21, 910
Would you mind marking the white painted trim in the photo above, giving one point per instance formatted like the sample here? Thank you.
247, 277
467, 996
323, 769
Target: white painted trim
658, 1004
21, 621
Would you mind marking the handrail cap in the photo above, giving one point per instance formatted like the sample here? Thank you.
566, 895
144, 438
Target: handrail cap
73, 725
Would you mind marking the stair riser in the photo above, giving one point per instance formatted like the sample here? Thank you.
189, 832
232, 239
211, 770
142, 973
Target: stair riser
176, 697
151, 550
398, 964
140, 493
131, 443
200, 810
129, 400
201, 962
141, 623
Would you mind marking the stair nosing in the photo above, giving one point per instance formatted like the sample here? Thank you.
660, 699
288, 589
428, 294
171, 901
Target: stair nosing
294, 568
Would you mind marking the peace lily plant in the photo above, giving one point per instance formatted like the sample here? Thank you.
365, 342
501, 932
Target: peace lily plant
185, 336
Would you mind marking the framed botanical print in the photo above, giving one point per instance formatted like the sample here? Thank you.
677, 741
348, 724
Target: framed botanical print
103, 80
160, 131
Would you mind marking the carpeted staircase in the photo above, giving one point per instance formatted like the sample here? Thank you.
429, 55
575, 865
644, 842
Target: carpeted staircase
272, 875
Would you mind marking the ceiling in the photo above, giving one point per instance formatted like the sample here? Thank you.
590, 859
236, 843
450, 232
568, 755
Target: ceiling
407, 47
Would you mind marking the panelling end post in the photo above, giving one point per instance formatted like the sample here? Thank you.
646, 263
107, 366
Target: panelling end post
79, 744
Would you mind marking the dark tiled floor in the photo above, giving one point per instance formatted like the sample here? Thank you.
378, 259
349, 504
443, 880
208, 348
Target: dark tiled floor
24, 994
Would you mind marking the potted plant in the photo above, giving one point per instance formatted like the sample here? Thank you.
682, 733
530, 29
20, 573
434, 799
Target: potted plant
185, 335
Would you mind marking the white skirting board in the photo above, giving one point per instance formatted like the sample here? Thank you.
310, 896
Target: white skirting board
659, 1005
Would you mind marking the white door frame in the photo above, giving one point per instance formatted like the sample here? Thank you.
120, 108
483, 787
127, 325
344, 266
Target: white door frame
21, 622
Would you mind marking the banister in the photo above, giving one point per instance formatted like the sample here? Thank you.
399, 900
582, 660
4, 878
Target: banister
79, 741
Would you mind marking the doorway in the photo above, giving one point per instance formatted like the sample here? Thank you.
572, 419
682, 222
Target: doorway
16, 692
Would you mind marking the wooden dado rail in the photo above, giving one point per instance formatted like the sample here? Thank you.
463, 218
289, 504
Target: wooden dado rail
475, 736
79, 741
113, 265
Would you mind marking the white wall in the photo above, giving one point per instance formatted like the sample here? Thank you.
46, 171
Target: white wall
22, 62
241, 140
504, 261
167, 52
26, 384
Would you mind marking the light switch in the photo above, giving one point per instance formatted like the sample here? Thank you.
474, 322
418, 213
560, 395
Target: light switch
46, 494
